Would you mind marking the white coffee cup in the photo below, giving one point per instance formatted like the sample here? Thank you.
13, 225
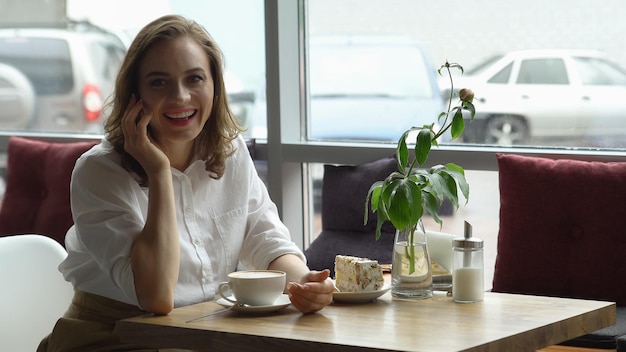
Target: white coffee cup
254, 287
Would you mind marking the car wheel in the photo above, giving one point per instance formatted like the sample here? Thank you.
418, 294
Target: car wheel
17, 97
506, 130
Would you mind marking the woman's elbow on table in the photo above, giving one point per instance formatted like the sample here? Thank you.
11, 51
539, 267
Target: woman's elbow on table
157, 306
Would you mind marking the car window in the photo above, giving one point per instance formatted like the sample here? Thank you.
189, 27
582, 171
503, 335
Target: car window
542, 71
369, 71
106, 59
503, 75
45, 61
483, 65
595, 71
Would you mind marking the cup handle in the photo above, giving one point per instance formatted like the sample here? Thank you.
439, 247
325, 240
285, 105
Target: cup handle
222, 286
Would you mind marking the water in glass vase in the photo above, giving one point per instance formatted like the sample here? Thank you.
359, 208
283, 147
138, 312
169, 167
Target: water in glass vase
408, 280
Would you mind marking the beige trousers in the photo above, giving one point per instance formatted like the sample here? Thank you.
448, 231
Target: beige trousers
88, 325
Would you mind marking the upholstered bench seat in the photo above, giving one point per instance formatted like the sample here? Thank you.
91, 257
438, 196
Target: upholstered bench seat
563, 233
607, 338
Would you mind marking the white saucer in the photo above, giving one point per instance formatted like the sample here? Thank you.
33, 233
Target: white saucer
360, 297
281, 303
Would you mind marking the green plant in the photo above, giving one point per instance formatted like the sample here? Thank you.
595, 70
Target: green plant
402, 197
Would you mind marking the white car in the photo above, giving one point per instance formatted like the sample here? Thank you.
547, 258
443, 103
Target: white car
527, 96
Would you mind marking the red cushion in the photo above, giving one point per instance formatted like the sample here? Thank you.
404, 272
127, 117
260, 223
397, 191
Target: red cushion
562, 228
37, 197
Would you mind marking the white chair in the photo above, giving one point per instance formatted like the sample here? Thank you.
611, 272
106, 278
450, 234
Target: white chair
33, 293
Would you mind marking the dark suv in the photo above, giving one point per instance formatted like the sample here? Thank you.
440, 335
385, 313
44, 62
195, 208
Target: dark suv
71, 70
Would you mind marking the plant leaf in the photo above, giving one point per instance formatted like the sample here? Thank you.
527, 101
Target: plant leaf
422, 145
374, 195
380, 220
432, 206
458, 173
403, 203
450, 189
470, 107
402, 152
457, 124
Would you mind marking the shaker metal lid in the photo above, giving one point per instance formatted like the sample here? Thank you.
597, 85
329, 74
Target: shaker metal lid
467, 241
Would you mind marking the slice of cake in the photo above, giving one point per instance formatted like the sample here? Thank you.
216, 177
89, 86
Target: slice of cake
353, 274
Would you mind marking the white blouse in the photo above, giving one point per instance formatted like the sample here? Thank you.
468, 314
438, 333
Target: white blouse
221, 223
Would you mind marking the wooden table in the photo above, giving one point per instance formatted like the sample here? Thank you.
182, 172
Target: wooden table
502, 322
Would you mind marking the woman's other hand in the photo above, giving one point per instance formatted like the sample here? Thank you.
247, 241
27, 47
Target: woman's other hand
313, 292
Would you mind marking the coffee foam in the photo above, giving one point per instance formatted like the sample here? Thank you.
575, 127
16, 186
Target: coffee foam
255, 274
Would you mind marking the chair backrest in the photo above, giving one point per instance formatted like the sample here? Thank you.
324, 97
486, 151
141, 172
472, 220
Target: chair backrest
37, 197
33, 293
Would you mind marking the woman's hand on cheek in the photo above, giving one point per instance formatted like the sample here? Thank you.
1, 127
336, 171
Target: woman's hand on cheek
313, 293
137, 141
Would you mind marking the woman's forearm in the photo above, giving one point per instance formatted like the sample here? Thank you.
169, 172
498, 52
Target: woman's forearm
291, 264
155, 252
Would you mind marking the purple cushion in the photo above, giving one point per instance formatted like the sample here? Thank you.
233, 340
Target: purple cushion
562, 228
344, 191
37, 197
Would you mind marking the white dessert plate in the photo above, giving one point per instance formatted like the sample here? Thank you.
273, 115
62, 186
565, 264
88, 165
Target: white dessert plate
360, 297
281, 303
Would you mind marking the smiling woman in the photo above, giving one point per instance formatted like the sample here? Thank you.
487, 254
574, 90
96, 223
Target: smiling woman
168, 203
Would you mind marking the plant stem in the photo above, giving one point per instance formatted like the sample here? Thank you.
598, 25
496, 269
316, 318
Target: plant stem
411, 249
445, 124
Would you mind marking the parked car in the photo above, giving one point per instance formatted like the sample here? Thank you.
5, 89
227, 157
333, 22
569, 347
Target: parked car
17, 98
528, 96
365, 88
71, 69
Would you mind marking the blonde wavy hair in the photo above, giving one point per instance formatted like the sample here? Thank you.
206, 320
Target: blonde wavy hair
213, 144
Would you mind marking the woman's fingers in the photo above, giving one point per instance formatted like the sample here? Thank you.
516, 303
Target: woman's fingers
134, 123
311, 296
130, 115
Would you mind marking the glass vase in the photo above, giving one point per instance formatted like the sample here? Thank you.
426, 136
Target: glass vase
411, 272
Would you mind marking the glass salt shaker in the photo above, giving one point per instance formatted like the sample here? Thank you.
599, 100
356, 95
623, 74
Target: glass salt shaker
468, 268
